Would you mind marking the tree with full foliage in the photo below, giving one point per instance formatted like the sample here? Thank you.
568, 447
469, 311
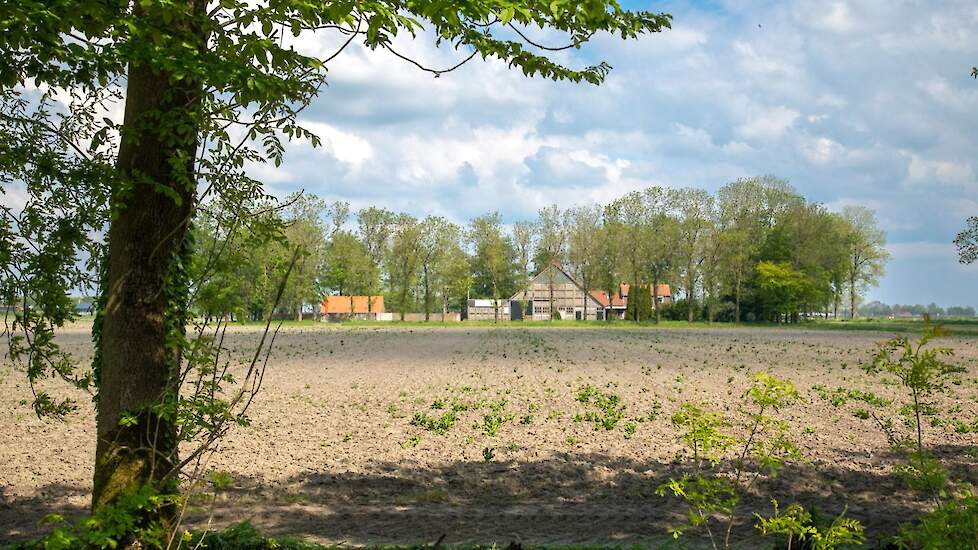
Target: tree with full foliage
403, 261
306, 228
783, 289
440, 240
494, 269
627, 218
693, 209
551, 248
749, 208
608, 257
457, 277
374, 228
867, 254
524, 240
208, 87
231, 274
647, 234
582, 227
813, 242
348, 269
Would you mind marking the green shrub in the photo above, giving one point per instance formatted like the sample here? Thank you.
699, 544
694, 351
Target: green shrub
713, 490
244, 536
796, 524
133, 516
639, 306
951, 526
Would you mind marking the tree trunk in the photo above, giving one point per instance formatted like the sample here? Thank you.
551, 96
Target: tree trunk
427, 296
136, 370
550, 285
737, 300
495, 303
708, 300
852, 297
584, 317
655, 298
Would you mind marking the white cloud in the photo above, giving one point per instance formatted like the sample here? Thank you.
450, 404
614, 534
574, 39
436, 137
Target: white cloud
14, 197
834, 17
344, 146
489, 150
927, 171
680, 38
767, 122
822, 150
762, 66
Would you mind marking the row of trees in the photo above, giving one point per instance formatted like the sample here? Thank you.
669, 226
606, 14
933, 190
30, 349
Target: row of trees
879, 309
755, 250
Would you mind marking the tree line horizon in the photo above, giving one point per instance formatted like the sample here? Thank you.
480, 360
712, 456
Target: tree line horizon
756, 250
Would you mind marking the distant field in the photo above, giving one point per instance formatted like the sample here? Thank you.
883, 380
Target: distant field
333, 454
963, 327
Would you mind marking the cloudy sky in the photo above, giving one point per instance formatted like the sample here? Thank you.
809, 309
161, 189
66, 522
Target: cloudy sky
866, 102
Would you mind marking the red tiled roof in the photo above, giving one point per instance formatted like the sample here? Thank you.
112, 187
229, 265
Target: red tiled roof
341, 304
602, 298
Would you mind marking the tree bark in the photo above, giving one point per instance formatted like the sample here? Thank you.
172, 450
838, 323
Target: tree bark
655, 298
737, 299
852, 297
427, 296
495, 302
137, 370
550, 285
586, 293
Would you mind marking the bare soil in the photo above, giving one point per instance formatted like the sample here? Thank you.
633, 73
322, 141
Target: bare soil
332, 454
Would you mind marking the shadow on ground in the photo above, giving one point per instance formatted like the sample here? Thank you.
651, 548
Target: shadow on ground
565, 499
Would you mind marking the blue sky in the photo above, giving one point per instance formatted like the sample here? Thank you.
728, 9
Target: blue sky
865, 102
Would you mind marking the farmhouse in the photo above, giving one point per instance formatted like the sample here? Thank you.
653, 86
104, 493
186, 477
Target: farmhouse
570, 299
351, 307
